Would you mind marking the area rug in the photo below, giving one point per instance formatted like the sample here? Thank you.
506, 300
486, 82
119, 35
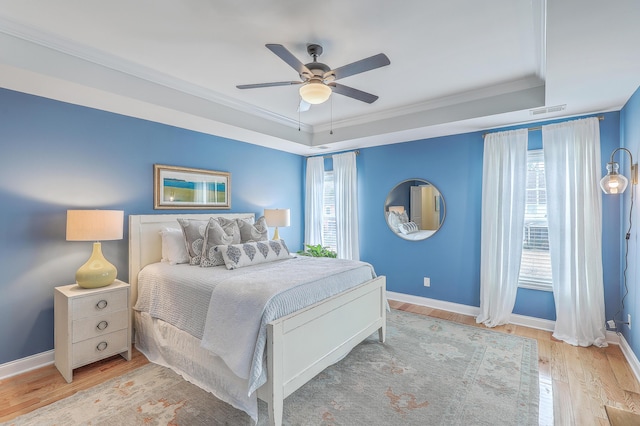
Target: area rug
429, 372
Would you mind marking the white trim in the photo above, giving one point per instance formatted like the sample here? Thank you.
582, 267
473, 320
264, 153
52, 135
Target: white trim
538, 323
628, 354
434, 303
516, 319
19, 366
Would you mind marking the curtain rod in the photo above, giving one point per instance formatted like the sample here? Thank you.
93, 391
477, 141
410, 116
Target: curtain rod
357, 152
532, 129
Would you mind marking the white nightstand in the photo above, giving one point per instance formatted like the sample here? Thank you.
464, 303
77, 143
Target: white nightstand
90, 324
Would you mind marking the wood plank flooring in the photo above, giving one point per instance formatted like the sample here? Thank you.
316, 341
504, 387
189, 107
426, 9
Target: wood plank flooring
575, 383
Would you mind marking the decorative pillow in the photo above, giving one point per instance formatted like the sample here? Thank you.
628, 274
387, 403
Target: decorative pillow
230, 226
403, 217
174, 250
250, 232
247, 254
216, 235
194, 231
408, 228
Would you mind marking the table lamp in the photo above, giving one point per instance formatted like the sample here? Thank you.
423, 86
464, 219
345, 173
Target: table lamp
95, 225
276, 218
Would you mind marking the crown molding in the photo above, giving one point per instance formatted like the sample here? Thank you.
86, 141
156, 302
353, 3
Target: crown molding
116, 63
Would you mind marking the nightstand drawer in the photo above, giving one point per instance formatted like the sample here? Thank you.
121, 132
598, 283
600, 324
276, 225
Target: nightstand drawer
99, 325
99, 347
100, 303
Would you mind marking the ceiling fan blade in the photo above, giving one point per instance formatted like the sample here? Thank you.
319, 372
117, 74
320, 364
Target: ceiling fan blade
366, 64
277, 83
353, 93
303, 106
288, 57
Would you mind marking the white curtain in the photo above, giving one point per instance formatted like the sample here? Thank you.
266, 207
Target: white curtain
574, 205
313, 201
504, 173
346, 190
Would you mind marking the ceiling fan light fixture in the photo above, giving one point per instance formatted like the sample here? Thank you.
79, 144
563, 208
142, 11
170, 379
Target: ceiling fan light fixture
315, 92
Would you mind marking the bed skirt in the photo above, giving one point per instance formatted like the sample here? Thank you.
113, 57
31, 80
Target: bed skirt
166, 345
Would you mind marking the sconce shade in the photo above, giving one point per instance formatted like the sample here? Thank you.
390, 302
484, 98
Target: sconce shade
613, 182
397, 209
95, 225
315, 92
276, 218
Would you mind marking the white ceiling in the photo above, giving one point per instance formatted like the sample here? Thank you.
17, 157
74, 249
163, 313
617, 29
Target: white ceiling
456, 66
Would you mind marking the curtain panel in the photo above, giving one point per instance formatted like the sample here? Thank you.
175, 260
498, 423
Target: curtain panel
346, 187
504, 172
313, 200
574, 203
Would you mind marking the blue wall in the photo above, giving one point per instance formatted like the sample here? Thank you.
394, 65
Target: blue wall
630, 135
56, 156
451, 257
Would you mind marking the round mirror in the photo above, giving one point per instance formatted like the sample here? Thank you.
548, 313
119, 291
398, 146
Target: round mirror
414, 209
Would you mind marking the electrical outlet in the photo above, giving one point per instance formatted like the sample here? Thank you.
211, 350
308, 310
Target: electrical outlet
629, 321
427, 282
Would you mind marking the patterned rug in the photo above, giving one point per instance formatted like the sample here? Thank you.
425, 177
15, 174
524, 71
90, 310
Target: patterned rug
429, 372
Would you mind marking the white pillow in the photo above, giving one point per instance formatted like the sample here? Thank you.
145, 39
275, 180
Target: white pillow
247, 254
408, 228
174, 250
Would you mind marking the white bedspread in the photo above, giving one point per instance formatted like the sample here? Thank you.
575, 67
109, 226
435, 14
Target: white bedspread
229, 309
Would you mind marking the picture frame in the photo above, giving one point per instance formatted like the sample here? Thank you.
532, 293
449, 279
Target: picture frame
189, 188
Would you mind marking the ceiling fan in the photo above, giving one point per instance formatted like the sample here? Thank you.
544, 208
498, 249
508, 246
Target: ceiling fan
318, 79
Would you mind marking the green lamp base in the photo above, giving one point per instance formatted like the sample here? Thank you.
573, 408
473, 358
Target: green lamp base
97, 271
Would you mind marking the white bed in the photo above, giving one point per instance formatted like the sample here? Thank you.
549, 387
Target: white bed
338, 324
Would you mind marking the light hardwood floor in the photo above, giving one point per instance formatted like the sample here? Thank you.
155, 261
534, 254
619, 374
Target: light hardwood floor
575, 383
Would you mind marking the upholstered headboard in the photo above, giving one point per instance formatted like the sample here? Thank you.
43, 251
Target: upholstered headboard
145, 243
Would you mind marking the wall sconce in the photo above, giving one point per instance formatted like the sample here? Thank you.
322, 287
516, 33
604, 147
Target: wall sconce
276, 218
95, 225
614, 182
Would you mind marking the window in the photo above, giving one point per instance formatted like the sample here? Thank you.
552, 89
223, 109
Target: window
535, 264
329, 213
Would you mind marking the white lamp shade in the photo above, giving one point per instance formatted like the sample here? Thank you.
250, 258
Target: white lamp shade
277, 217
315, 92
94, 225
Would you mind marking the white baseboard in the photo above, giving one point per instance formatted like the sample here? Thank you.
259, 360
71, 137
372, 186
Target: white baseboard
538, 323
630, 356
532, 322
19, 366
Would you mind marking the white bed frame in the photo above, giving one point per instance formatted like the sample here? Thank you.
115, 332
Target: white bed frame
337, 324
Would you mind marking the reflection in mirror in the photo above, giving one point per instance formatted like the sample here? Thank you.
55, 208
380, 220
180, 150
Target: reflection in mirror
414, 209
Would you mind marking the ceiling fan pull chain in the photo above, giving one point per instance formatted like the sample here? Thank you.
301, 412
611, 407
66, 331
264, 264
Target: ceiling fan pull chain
331, 130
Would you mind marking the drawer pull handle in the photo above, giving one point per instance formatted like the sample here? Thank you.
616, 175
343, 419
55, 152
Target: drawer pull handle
101, 304
102, 346
102, 325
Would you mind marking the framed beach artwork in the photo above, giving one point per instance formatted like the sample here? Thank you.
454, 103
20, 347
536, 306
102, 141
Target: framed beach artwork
187, 188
